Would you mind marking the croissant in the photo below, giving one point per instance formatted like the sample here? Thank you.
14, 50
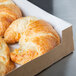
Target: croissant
8, 13
14, 31
39, 38
6, 65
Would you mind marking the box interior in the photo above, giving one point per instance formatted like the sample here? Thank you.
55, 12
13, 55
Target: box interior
30, 9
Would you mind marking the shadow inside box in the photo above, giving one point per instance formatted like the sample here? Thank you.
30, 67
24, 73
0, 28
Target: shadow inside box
46, 5
55, 69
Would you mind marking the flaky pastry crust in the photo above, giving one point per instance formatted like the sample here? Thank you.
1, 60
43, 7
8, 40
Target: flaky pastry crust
39, 38
17, 28
8, 13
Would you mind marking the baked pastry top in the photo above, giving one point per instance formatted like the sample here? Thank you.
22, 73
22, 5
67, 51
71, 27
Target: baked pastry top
14, 31
38, 38
8, 13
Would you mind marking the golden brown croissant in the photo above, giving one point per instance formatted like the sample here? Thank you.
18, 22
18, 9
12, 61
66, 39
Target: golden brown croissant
39, 38
5, 58
8, 13
14, 31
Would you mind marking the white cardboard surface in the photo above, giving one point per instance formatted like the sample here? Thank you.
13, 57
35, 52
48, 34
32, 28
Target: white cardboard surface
30, 9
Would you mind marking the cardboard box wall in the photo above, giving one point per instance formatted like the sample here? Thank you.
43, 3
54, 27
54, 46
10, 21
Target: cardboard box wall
66, 47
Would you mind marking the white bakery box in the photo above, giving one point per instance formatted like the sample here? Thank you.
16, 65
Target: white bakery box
66, 46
